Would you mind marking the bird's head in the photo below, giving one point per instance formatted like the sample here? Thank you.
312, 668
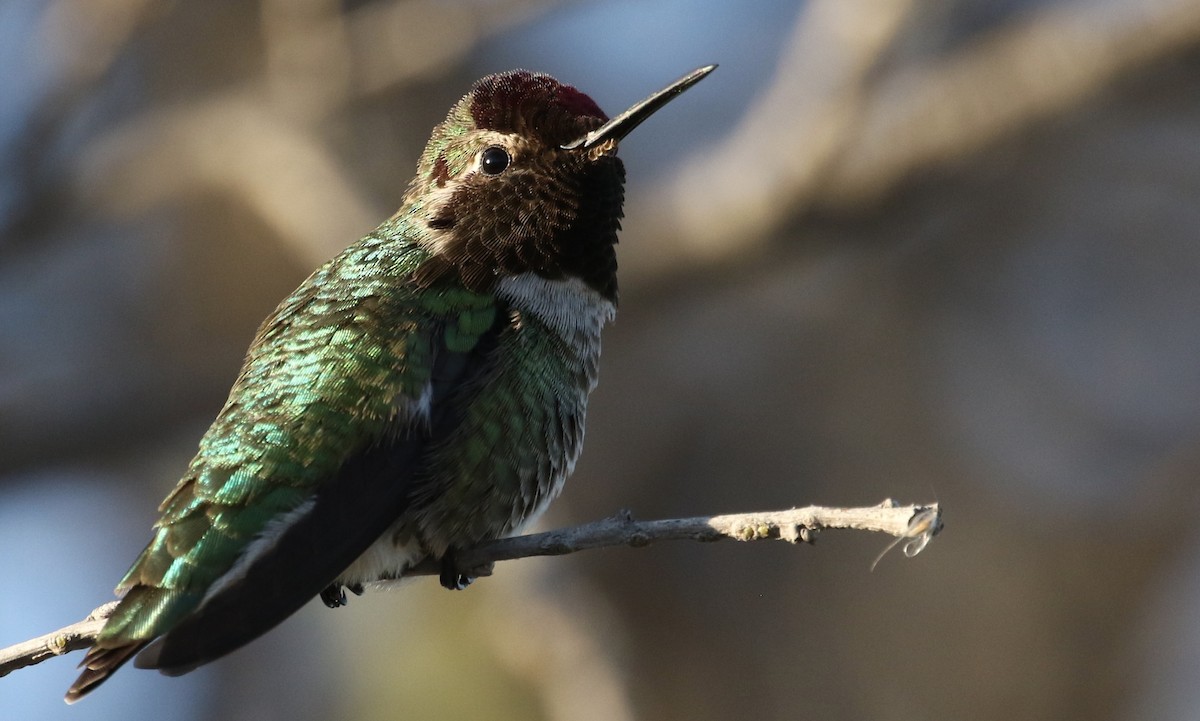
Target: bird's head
522, 176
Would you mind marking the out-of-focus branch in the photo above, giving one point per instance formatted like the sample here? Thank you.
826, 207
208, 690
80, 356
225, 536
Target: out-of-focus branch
771, 165
919, 523
1035, 67
849, 114
420, 39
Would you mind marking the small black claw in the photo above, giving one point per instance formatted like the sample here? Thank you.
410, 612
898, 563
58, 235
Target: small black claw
334, 595
455, 578
356, 589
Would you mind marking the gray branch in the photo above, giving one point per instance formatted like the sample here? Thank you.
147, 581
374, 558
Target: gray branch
918, 524
75, 637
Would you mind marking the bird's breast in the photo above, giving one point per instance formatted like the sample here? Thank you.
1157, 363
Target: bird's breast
520, 433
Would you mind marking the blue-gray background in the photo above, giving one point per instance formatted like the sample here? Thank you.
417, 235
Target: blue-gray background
942, 249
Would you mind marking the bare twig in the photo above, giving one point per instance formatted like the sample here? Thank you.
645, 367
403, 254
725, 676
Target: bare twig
796, 525
75, 637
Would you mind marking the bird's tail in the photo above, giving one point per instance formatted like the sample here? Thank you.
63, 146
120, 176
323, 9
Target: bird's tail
98, 665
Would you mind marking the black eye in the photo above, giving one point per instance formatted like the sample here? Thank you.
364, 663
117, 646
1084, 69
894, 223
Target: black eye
494, 160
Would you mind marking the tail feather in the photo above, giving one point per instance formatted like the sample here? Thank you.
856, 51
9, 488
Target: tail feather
98, 665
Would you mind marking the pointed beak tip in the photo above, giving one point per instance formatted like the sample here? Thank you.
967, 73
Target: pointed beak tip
620, 126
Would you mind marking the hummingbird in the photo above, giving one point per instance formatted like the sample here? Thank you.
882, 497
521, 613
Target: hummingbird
422, 392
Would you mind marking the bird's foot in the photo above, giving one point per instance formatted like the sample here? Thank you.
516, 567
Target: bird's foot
456, 578
334, 594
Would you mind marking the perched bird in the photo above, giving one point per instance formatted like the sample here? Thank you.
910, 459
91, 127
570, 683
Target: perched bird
422, 392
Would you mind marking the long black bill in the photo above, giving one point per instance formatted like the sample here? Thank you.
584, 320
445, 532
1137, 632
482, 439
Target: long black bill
621, 125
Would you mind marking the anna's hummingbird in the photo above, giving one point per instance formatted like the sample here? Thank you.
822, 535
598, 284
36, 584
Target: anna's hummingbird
421, 392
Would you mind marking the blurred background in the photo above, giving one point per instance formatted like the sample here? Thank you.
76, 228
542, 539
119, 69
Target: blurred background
945, 249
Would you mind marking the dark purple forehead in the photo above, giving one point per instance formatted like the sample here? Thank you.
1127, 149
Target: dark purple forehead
519, 100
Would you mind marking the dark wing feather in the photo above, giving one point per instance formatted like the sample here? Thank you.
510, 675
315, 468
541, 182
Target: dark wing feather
348, 514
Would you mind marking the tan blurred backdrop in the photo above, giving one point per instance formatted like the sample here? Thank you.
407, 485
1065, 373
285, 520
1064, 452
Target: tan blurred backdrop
931, 249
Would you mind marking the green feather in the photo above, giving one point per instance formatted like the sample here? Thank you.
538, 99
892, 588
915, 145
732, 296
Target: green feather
326, 376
